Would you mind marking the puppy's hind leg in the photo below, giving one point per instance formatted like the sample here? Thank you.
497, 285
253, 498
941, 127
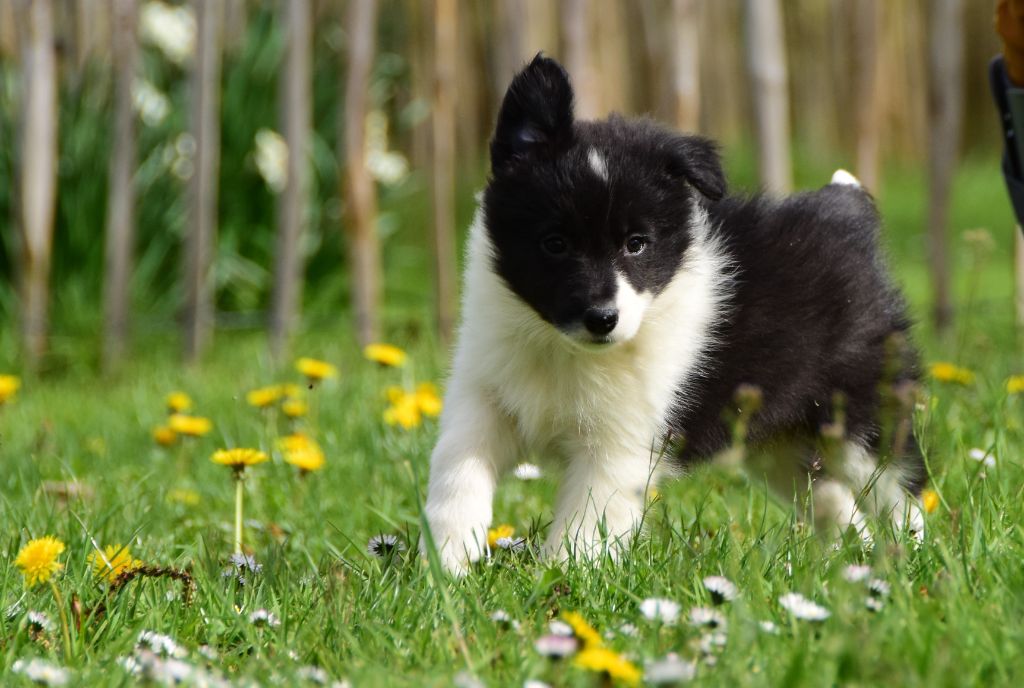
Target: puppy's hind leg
879, 488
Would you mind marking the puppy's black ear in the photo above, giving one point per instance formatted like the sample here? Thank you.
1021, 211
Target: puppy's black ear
536, 115
695, 160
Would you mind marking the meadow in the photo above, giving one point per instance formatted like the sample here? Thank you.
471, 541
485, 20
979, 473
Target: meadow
331, 588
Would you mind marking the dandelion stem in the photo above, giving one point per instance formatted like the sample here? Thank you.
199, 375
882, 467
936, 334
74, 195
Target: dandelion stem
238, 513
63, 618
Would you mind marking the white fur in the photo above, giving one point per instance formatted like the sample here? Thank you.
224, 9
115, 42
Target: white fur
844, 178
631, 306
598, 164
519, 385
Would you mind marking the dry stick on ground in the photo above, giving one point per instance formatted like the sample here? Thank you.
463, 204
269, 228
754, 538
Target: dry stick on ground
296, 114
866, 91
766, 63
945, 116
39, 170
443, 121
202, 232
360, 190
121, 196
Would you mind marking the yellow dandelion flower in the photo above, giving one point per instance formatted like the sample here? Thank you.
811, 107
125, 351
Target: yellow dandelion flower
295, 408
605, 661
315, 370
291, 390
502, 531
9, 386
296, 441
183, 496
404, 412
930, 500
190, 426
394, 394
385, 355
178, 402
586, 633
38, 560
164, 436
306, 459
948, 372
238, 458
1015, 384
114, 561
264, 396
428, 400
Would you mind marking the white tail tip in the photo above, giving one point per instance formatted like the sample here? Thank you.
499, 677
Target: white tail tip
845, 178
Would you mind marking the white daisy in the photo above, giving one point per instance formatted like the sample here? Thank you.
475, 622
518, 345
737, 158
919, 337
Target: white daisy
385, 545
527, 471
706, 617
879, 588
534, 683
768, 627
556, 646
855, 573
670, 669
313, 674
712, 642
559, 627
802, 608
628, 630
502, 618
721, 588
38, 622
464, 679
42, 672
660, 609
261, 617
982, 456
513, 544
159, 644
873, 604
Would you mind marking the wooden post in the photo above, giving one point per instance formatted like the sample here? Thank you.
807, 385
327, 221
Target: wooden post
576, 23
945, 115
766, 62
359, 186
296, 113
866, 92
120, 237
684, 42
39, 170
202, 234
443, 129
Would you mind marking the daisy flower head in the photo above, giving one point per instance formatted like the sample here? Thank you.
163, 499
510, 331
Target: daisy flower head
608, 662
261, 618
559, 627
385, 546
582, 630
721, 588
802, 608
238, 459
528, 471
264, 397
159, 644
42, 672
879, 588
982, 457
1015, 384
669, 670
706, 617
951, 373
113, 561
855, 573
930, 501
556, 646
178, 402
190, 426
164, 436
38, 560
314, 370
512, 544
502, 531
873, 604
9, 386
386, 355
242, 567
660, 610
503, 620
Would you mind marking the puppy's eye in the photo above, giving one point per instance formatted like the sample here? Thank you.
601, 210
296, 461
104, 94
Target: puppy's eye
635, 244
554, 245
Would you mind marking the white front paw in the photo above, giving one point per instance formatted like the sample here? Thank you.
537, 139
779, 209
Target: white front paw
459, 535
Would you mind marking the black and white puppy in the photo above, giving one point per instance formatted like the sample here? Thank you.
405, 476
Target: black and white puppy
614, 296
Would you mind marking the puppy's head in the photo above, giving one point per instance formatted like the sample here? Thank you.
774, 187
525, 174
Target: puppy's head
590, 220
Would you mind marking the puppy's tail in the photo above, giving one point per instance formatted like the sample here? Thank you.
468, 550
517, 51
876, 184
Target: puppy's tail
844, 178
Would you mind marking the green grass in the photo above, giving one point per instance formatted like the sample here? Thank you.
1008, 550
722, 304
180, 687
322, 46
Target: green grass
953, 616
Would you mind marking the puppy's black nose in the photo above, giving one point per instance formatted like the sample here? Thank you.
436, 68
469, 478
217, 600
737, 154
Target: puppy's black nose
600, 321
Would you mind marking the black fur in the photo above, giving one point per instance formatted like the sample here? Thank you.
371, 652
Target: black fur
811, 311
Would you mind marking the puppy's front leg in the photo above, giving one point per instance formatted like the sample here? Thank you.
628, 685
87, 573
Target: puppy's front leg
475, 447
601, 501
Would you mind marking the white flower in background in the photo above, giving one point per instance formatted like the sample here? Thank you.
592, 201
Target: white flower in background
873, 604
387, 167
159, 644
261, 617
314, 674
556, 646
42, 672
534, 683
768, 627
708, 618
272, 159
879, 588
39, 622
855, 573
502, 619
802, 608
527, 471
659, 609
171, 29
671, 669
150, 102
982, 456
557, 627
464, 679
721, 588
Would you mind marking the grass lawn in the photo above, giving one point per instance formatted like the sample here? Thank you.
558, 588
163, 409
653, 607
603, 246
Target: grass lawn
79, 462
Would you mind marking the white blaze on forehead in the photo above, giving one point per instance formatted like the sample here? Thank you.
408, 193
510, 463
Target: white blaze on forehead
631, 306
598, 164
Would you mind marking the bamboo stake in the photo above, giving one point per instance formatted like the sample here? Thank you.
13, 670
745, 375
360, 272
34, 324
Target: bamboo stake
766, 62
445, 26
